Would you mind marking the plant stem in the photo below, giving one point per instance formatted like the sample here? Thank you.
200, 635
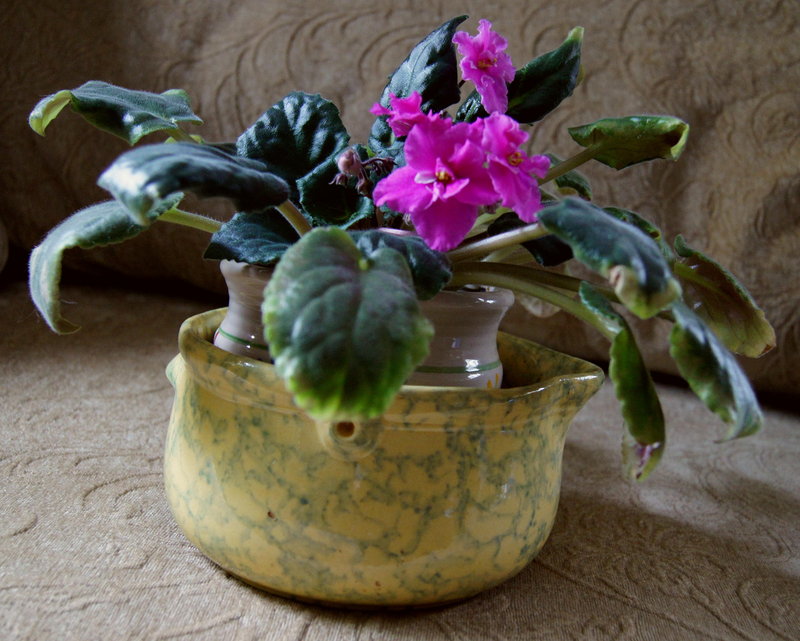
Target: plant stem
540, 276
188, 219
509, 255
481, 248
180, 135
295, 217
571, 163
524, 280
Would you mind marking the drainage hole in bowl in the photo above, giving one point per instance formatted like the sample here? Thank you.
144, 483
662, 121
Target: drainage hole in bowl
345, 429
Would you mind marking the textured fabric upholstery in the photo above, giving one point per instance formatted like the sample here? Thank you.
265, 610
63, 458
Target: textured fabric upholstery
707, 548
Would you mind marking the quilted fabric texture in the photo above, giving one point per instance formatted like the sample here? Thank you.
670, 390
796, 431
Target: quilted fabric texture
708, 548
729, 68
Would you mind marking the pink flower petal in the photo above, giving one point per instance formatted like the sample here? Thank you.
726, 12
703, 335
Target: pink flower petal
404, 113
401, 192
379, 110
520, 191
502, 135
429, 140
539, 165
485, 64
444, 224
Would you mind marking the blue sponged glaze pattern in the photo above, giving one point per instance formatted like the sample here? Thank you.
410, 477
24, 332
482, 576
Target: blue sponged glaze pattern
450, 492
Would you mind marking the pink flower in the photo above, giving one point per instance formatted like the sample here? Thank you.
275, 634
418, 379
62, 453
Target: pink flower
512, 171
404, 113
485, 65
443, 184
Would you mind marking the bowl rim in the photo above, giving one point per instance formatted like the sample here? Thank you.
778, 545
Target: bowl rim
212, 367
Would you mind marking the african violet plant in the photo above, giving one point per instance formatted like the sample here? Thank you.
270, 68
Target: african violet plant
359, 234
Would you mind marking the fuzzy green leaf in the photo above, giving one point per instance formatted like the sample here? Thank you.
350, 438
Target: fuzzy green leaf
105, 223
471, 108
430, 69
345, 330
643, 445
542, 84
258, 238
723, 303
47, 109
294, 136
624, 254
713, 373
141, 178
622, 142
125, 113
430, 269
330, 204
632, 218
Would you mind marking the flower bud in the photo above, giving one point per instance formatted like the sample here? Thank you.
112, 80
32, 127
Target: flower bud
349, 163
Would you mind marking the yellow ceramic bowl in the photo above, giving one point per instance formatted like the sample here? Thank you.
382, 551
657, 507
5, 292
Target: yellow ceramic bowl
451, 492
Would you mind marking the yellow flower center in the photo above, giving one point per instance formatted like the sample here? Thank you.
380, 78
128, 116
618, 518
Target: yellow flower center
515, 158
443, 176
486, 63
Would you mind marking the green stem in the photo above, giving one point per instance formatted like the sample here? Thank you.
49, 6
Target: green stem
481, 248
181, 136
295, 217
571, 163
540, 276
527, 281
509, 255
188, 219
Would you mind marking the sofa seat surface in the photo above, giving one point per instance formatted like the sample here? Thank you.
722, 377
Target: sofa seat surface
708, 547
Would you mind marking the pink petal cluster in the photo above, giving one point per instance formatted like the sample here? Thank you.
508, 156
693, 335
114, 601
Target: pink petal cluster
513, 172
485, 64
443, 184
452, 170
403, 113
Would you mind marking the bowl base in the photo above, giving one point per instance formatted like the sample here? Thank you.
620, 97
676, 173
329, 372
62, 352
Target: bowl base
348, 605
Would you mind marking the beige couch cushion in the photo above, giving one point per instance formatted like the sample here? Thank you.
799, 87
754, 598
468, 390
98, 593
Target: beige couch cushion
707, 548
729, 69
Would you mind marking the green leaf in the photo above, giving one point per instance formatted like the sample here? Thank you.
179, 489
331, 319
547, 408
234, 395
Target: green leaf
572, 182
723, 303
621, 142
105, 223
430, 269
258, 238
125, 113
142, 177
628, 257
294, 136
344, 330
632, 218
47, 109
431, 69
643, 445
713, 373
542, 84
471, 109
330, 204
548, 251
